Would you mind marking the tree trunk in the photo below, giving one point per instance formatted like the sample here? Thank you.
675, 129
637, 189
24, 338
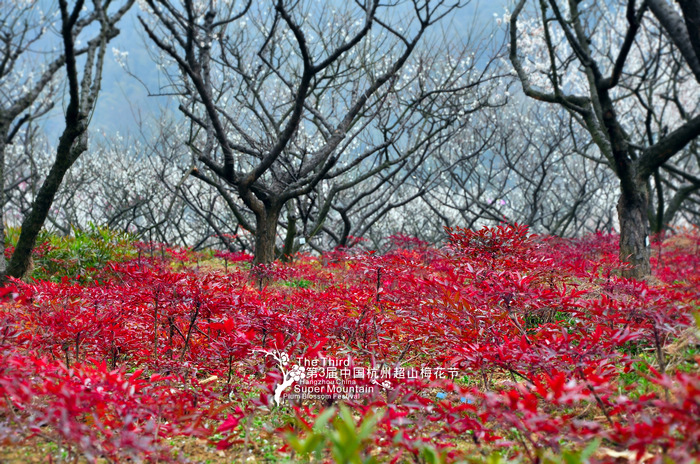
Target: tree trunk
3, 263
265, 234
347, 226
288, 251
66, 154
632, 210
657, 215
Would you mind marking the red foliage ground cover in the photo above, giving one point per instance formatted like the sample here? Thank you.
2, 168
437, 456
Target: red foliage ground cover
523, 343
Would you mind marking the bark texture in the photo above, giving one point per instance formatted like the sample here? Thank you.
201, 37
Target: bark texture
632, 210
265, 234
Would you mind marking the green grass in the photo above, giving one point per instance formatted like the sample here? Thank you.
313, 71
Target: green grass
77, 256
297, 283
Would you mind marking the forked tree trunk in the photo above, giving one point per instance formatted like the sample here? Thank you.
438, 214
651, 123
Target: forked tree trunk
632, 211
266, 233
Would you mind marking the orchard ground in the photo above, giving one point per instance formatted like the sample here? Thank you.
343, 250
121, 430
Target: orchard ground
501, 346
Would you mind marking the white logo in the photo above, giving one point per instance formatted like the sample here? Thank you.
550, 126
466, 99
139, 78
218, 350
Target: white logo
339, 379
289, 375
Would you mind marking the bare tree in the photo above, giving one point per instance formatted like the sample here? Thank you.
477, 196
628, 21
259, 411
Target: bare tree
25, 162
514, 164
24, 95
587, 59
82, 98
676, 192
354, 203
287, 95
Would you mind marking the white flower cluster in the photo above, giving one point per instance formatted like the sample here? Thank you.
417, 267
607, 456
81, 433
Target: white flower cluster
297, 373
120, 57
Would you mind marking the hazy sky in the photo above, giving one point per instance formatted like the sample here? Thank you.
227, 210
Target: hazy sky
124, 99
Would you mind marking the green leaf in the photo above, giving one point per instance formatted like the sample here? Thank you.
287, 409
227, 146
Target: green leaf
590, 449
